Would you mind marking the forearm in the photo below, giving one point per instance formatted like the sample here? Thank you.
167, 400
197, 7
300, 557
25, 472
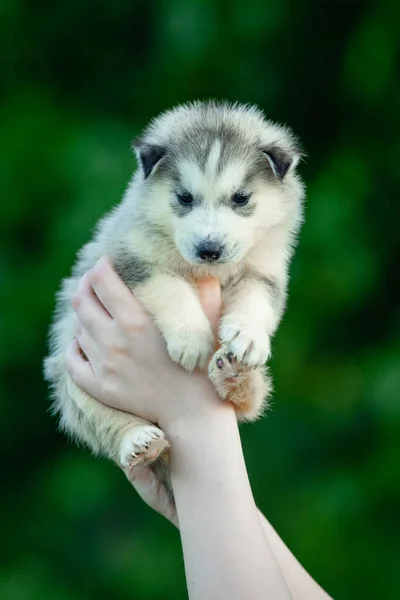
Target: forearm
302, 586
226, 552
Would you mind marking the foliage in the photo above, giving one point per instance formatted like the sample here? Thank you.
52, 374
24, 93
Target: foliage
80, 79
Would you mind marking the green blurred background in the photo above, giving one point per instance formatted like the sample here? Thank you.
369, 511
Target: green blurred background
79, 80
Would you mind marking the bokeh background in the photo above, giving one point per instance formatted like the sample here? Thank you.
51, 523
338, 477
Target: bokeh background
79, 80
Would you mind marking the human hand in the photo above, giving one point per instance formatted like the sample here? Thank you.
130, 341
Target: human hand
127, 364
112, 347
153, 492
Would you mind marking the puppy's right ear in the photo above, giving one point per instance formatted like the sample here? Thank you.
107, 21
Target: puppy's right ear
148, 155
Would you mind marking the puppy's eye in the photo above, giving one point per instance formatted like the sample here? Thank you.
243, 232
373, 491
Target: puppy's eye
184, 198
240, 198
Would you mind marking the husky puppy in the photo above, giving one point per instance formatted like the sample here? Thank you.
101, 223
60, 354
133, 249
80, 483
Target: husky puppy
216, 194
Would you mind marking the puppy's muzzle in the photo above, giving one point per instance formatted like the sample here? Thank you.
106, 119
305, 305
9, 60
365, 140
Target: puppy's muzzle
209, 251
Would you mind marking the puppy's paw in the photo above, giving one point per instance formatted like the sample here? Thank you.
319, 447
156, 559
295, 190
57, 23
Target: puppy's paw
245, 387
142, 445
225, 372
190, 348
245, 340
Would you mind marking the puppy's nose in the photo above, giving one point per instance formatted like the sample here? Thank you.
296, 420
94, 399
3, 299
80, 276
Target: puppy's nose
209, 250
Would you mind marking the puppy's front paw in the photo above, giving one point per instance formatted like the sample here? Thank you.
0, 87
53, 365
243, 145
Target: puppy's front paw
245, 340
190, 348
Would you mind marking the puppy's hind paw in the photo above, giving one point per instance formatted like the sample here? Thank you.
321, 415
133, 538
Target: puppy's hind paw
245, 387
225, 372
142, 445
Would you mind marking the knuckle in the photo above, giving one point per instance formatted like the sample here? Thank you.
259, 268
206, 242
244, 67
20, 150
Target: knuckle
108, 369
76, 300
96, 275
111, 345
132, 324
79, 295
82, 284
118, 347
109, 390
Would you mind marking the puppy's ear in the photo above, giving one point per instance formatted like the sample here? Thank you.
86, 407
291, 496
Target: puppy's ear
281, 160
148, 155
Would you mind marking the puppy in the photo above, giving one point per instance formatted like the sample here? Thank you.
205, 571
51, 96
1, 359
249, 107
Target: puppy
216, 194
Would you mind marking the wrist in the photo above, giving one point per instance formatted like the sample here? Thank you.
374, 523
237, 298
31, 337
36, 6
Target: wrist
195, 406
190, 428
204, 447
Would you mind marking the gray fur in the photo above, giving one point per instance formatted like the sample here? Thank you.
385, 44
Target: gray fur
247, 210
132, 269
212, 151
276, 292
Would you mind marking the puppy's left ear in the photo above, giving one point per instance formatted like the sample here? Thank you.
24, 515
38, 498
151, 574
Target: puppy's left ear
281, 160
148, 155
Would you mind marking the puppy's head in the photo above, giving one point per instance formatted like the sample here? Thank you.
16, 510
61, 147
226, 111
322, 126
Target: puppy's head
216, 177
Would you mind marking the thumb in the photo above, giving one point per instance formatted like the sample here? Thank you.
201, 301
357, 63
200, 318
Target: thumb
210, 300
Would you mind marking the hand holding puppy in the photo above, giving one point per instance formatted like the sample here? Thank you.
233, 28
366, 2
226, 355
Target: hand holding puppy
128, 366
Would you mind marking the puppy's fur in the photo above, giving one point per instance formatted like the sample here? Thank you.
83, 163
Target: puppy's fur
216, 194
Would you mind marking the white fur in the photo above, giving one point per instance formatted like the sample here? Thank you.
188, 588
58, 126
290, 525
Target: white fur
213, 159
253, 270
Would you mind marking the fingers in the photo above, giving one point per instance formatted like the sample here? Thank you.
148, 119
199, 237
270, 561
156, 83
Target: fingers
112, 292
89, 310
80, 369
88, 347
153, 492
211, 301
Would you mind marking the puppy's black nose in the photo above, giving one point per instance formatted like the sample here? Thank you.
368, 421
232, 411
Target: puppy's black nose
209, 251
